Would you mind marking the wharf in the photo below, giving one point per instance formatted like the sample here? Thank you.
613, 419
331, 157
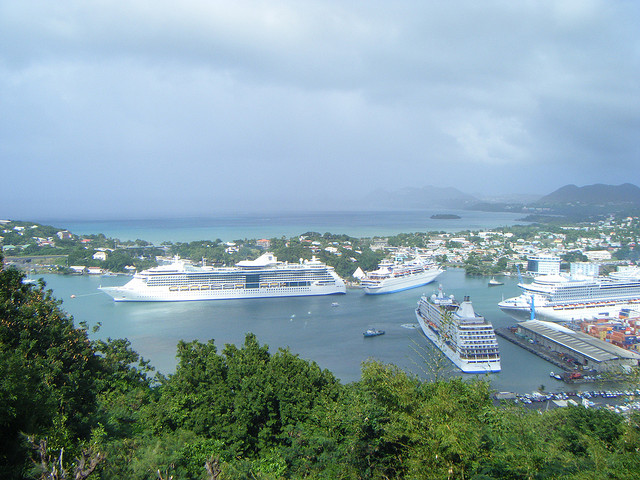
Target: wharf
543, 353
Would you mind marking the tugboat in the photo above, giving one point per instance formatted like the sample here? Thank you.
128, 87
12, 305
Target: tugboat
372, 332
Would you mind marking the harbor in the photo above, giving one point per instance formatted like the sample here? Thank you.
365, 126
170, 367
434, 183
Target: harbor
327, 330
555, 359
582, 358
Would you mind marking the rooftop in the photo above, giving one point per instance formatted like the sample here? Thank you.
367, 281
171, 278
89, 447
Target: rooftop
586, 345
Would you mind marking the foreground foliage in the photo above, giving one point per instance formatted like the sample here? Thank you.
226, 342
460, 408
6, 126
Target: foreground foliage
245, 412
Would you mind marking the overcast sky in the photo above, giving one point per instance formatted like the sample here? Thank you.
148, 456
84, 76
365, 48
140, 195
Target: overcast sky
137, 108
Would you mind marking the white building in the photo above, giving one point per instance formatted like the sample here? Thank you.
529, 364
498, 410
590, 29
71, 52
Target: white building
598, 255
359, 274
584, 269
100, 256
543, 265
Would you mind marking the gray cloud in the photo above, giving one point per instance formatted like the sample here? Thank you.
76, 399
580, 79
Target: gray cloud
126, 108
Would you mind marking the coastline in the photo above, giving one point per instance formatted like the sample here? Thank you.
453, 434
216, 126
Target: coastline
357, 224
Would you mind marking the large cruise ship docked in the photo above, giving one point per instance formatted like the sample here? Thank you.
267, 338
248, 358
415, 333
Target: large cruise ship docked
393, 277
260, 278
561, 298
465, 337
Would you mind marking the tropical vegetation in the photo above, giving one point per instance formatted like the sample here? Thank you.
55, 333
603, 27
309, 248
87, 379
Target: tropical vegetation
73, 407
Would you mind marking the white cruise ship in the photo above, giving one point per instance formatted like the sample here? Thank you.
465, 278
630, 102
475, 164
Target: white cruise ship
260, 278
393, 277
561, 298
465, 337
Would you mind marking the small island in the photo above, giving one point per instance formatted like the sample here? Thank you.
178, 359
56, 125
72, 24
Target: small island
445, 216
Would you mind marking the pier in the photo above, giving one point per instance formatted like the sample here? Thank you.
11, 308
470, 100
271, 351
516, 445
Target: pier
572, 351
543, 353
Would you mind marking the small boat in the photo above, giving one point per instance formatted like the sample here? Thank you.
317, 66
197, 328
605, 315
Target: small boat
494, 283
335, 304
372, 332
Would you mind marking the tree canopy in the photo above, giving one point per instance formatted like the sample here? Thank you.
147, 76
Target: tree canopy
246, 412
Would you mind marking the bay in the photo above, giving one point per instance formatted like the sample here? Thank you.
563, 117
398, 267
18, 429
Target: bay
357, 224
309, 326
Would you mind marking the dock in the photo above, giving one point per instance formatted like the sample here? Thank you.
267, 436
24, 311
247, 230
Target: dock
572, 351
545, 354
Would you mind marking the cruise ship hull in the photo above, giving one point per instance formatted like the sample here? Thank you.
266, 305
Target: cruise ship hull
163, 294
563, 298
521, 311
264, 277
397, 284
485, 366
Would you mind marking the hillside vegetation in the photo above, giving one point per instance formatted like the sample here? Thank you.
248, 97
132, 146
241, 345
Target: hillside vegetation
597, 194
71, 407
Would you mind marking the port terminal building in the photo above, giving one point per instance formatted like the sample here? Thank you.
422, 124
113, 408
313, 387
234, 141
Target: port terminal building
584, 350
543, 265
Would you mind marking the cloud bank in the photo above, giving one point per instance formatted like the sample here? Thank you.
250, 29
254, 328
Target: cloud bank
160, 108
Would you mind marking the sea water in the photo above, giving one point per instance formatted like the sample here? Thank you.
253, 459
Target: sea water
275, 225
311, 327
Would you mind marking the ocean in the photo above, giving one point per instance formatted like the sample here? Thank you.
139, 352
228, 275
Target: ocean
255, 226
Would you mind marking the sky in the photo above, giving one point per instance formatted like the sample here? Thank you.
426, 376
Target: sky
136, 109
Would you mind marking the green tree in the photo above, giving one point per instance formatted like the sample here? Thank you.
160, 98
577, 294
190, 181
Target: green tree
48, 372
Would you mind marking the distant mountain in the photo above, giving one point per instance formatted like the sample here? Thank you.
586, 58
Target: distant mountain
420, 198
625, 195
509, 198
567, 203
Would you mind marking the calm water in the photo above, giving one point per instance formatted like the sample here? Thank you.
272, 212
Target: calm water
234, 227
309, 326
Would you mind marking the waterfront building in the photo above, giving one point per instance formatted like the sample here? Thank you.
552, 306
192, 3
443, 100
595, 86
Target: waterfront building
543, 265
587, 269
586, 351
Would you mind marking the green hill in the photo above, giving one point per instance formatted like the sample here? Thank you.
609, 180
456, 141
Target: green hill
626, 195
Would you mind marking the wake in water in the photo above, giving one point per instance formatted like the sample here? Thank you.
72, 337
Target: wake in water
86, 295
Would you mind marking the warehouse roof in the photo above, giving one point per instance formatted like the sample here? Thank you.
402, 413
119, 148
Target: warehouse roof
586, 345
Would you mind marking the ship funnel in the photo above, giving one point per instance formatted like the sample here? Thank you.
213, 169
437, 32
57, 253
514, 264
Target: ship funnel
466, 309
